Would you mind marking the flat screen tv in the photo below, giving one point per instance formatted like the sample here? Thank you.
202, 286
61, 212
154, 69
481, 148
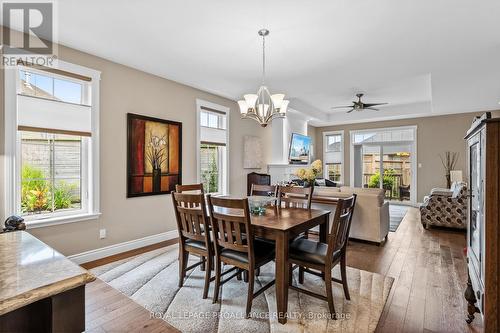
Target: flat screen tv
300, 146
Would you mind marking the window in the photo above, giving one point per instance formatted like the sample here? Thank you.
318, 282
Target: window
212, 143
333, 143
212, 119
51, 122
51, 172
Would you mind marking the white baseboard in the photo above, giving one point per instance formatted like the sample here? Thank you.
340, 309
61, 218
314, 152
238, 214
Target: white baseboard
110, 250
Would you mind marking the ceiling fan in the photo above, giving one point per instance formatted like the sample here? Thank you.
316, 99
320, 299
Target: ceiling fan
359, 106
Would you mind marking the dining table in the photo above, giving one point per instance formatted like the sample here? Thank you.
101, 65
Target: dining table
282, 225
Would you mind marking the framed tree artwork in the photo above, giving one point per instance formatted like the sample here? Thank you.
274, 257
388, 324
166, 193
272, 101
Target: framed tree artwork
154, 155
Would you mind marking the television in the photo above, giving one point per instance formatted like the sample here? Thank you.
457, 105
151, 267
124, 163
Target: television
300, 148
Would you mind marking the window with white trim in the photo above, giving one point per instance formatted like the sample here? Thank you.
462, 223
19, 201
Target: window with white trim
213, 144
333, 152
54, 144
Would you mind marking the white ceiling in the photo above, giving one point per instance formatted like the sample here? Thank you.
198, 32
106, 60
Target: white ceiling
423, 57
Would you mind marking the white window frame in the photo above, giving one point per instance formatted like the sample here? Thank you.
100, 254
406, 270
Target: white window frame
325, 150
90, 189
225, 159
413, 156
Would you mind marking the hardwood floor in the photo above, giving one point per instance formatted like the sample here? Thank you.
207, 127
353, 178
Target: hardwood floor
427, 296
429, 269
108, 310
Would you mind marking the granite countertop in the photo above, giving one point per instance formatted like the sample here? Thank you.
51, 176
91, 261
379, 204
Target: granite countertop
31, 270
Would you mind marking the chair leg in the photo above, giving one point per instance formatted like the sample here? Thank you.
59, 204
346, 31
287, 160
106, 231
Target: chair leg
207, 276
202, 266
183, 259
245, 276
250, 274
329, 294
217, 280
301, 274
343, 274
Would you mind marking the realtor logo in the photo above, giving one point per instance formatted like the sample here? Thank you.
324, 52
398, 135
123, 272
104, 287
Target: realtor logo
35, 21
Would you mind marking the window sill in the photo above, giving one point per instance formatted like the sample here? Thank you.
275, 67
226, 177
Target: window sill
33, 224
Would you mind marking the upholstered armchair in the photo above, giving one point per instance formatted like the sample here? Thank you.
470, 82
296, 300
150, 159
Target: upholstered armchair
445, 208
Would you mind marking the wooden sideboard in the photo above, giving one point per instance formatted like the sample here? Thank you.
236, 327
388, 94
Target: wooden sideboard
483, 225
41, 290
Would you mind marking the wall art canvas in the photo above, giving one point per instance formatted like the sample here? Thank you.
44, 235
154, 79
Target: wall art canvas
154, 155
252, 152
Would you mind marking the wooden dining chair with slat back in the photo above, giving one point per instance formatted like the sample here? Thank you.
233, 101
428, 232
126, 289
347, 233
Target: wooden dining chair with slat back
319, 258
192, 188
294, 197
189, 188
235, 244
194, 234
264, 190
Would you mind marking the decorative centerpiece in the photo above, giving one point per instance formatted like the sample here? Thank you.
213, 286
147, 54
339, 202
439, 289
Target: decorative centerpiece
258, 203
309, 175
449, 161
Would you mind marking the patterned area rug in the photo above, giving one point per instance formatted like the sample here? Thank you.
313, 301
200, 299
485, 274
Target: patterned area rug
150, 279
396, 213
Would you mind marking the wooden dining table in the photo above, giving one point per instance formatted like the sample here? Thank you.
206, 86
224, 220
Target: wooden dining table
282, 225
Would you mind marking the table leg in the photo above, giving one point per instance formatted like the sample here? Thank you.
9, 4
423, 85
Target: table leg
282, 275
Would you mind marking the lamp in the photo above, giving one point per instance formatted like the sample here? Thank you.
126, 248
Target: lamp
263, 107
456, 176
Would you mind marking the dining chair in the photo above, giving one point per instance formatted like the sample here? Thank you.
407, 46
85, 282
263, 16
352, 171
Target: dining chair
189, 188
294, 197
194, 235
235, 244
192, 188
319, 258
264, 190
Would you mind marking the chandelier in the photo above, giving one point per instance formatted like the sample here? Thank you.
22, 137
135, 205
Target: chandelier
263, 107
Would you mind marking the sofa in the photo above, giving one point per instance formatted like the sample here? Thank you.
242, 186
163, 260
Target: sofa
370, 221
445, 207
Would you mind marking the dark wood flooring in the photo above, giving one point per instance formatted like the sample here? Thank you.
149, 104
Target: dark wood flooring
427, 296
429, 268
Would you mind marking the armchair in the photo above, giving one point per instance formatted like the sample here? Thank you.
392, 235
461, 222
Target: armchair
445, 208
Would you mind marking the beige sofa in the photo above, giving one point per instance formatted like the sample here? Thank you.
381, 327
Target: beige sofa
370, 221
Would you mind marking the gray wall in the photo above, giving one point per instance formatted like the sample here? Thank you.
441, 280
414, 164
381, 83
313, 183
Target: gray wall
435, 135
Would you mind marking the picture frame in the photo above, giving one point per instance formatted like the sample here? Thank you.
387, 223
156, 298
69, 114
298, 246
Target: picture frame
154, 155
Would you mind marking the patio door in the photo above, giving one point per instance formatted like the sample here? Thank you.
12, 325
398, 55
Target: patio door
385, 159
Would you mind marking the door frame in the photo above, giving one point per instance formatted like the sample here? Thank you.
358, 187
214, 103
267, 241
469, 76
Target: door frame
413, 155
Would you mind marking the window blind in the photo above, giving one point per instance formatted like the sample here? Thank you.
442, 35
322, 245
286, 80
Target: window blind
45, 115
213, 135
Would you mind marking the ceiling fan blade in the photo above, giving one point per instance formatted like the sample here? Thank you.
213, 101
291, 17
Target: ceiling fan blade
350, 110
368, 105
371, 109
341, 107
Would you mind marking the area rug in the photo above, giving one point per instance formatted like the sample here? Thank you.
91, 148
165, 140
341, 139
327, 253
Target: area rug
150, 279
396, 214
